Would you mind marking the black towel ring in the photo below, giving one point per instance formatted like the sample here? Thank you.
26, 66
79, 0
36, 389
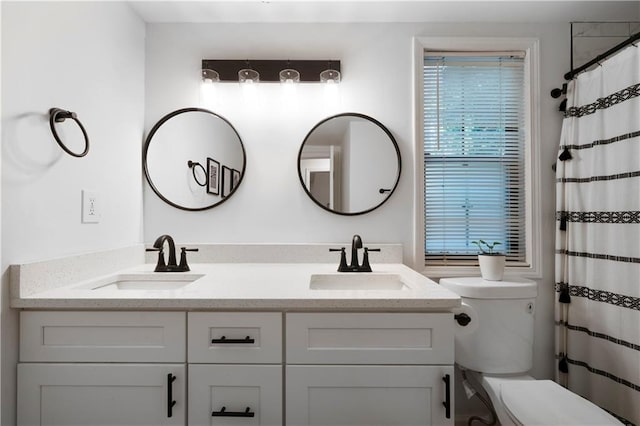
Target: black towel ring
192, 165
57, 115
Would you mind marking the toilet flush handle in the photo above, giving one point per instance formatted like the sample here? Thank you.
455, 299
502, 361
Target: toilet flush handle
462, 319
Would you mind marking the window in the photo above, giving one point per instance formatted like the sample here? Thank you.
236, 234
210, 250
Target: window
473, 155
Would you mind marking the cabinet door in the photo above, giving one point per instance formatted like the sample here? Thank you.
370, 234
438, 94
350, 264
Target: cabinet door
368, 395
235, 395
101, 394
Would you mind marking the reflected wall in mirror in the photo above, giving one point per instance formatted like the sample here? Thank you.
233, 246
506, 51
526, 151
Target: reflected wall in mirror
349, 164
184, 156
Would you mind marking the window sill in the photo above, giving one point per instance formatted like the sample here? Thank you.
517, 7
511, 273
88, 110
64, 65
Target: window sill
437, 272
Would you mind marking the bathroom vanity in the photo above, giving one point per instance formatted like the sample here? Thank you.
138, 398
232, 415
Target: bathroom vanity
264, 343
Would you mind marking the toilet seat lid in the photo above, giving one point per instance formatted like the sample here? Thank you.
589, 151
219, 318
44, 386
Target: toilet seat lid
544, 402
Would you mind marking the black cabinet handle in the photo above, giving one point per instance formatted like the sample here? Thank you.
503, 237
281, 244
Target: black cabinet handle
170, 402
447, 395
224, 340
224, 413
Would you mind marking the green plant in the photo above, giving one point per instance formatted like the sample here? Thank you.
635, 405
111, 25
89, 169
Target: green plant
487, 248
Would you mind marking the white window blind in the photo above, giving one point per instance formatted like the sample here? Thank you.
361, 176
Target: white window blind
473, 156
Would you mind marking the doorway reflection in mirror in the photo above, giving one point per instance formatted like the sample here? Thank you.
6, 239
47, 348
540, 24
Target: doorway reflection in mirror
344, 162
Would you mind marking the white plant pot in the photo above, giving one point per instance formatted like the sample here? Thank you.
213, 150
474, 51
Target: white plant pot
491, 267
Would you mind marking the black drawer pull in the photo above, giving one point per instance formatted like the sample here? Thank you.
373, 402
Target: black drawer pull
224, 413
447, 397
224, 340
170, 402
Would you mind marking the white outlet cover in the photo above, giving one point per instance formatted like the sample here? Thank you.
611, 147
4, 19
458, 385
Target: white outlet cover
90, 207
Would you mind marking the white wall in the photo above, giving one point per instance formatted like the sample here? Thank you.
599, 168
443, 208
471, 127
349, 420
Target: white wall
87, 57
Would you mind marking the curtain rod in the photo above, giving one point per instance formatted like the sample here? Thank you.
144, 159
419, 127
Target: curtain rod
599, 58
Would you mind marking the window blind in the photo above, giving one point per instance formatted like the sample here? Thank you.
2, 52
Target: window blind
473, 156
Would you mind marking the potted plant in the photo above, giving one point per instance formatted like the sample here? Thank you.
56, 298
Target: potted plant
491, 262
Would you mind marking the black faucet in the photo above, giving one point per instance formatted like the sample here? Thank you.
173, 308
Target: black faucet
171, 265
356, 243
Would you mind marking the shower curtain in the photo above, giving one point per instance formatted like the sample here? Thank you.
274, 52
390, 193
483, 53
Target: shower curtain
598, 237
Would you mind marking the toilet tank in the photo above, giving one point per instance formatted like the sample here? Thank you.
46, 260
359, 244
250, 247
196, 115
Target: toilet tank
501, 340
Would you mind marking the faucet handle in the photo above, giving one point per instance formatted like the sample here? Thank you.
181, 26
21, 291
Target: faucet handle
184, 267
343, 259
366, 267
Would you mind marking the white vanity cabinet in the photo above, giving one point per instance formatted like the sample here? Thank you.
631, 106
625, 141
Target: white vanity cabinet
102, 368
126, 368
235, 368
369, 369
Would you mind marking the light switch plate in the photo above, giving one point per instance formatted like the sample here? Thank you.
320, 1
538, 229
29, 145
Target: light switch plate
90, 207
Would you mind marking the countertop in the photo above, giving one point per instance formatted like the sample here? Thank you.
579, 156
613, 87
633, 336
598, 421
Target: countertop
245, 286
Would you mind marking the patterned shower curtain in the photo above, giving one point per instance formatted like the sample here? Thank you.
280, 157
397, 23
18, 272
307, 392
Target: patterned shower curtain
598, 237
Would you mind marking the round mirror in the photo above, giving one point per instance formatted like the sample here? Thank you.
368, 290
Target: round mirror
194, 159
349, 164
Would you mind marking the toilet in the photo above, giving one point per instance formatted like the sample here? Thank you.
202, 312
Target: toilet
498, 352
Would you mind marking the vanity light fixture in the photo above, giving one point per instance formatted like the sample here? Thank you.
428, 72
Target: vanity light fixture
248, 75
208, 90
330, 75
210, 76
266, 71
289, 76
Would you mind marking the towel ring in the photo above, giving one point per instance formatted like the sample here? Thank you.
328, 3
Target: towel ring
192, 165
57, 115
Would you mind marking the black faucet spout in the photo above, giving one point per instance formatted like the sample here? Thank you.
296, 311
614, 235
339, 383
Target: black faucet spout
172, 248
356, 243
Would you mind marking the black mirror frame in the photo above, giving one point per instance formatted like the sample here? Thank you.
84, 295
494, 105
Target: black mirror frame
391, 138
146, 149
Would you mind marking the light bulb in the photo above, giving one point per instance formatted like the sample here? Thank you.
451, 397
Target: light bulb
289, 76
247, 75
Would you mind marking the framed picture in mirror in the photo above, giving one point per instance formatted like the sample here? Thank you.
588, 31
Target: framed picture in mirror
227, 181
235, 178
213, 176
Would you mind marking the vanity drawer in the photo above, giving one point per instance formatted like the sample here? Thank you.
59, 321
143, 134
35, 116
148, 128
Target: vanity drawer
369, 338
235, 337
218, 391
102, 336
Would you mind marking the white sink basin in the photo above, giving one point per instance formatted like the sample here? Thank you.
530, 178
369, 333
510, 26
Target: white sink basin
364, 281
156, 281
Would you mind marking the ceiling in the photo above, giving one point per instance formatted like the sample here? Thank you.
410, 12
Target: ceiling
353, 11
